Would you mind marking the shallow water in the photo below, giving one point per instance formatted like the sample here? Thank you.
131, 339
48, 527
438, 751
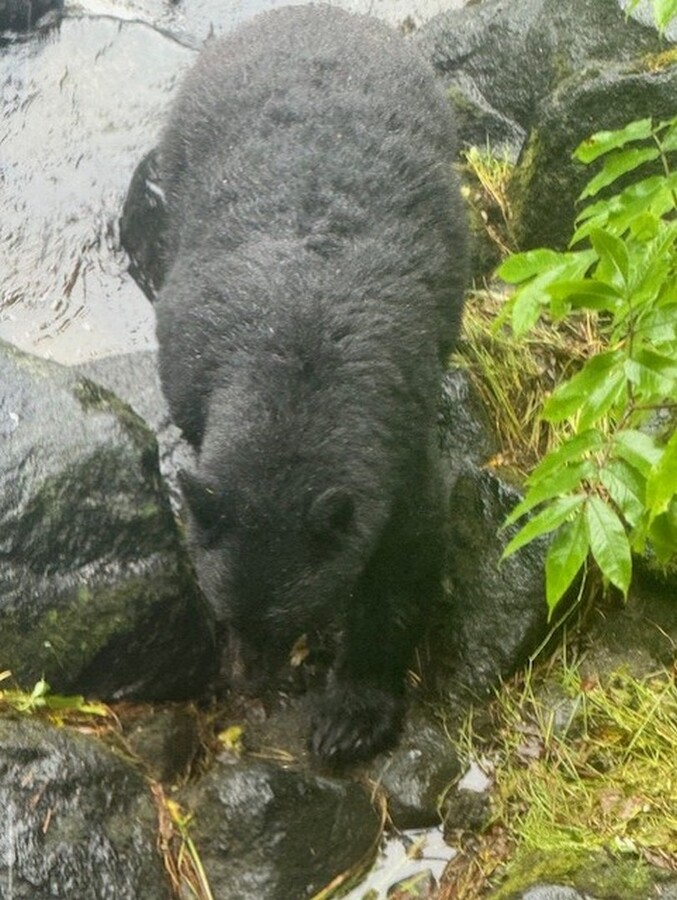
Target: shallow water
81, 104
79, 107
404, 856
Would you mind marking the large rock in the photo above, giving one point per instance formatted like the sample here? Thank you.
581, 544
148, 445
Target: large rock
135, 379
642, 631
96, 593
547, 181
416, 775
584, 875
501, 58
266, 833
551, 892
496, 614
466, 435
77, 820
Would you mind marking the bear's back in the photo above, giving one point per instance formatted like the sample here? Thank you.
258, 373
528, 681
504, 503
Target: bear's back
309, 123
312, 211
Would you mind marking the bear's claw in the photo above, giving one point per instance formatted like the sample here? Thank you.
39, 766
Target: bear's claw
353, 723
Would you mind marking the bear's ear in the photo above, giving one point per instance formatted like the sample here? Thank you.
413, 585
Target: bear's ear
331, 513
202, 499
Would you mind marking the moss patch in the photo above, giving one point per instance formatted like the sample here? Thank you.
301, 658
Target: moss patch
655, 62
606, 877
67, 637
585, 791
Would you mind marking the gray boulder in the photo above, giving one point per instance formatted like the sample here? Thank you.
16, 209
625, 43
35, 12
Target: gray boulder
591, 875
418, 772
266, 833
96, 592
134, 378
495, 615
77, 820
547, 181
552, 892
501, 58
467, 803
466, 435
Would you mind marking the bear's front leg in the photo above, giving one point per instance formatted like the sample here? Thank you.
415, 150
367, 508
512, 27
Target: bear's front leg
362, 710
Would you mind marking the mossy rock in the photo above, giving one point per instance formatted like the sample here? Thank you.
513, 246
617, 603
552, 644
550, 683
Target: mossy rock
596, 874
501, 59
547, 181
96, 593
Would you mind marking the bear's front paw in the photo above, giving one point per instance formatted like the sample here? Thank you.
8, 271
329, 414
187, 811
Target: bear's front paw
353, 723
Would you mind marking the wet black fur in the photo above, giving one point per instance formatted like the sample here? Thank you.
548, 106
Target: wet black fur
315, 269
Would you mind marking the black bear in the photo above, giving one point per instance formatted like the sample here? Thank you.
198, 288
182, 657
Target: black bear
315, 266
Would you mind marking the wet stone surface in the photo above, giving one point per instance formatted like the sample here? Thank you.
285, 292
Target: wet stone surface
466, 805
416, 775
96, 594
166, 739
465, 655
78, 821
266, 833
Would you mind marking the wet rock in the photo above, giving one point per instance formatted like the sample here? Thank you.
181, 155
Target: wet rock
500, 58
466, 811
466, 435
96, 593
642, 631
418, 772
78, 821
265, 833
275, 727
166, 739
547, 180
495, 615
591, 875
23, 15
467, 805
552, 892
134, 378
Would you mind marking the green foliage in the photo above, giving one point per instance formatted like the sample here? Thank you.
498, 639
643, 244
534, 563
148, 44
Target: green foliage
41, 699
611, 486
664, 11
